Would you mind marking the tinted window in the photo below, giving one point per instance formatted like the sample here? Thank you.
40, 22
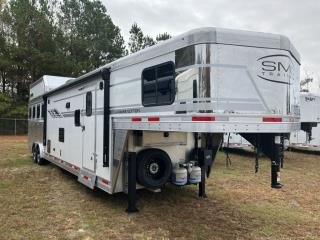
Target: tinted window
158, 85
42, 111
89, 104
34, 112
38, 111
149, 87
165, 83
185, 57
30, 113
77, 118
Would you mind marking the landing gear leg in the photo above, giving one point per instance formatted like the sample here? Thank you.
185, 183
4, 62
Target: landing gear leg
276, 163
132, 195
205, 160
202, 184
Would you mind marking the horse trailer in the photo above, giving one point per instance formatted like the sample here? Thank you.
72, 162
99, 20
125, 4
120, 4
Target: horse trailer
308, 138
158, 116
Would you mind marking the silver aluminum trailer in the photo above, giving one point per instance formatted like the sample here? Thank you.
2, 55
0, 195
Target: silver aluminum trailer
308, 138
159, 115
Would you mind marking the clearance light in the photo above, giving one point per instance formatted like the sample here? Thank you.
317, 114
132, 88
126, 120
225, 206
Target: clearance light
153, 119
271, 119
136, 119
203, 118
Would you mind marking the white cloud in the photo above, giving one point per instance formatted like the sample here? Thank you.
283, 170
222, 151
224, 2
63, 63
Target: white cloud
299, 20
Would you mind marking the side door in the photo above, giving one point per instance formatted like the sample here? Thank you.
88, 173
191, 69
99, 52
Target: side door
89, 129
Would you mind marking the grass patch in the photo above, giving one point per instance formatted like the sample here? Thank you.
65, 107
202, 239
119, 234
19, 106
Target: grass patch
42, 202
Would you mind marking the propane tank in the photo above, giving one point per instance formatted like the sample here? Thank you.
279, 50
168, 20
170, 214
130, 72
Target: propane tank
179, 175
195, 175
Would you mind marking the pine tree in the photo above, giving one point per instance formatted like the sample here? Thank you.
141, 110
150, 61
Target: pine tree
140, 41
163, 36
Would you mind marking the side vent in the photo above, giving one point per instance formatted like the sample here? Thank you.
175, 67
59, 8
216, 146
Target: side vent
61, 134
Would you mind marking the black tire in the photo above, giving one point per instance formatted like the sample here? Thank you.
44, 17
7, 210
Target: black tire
153, 168
38, 159
34, 153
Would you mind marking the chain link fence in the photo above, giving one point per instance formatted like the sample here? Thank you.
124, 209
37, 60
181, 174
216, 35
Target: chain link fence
13, 126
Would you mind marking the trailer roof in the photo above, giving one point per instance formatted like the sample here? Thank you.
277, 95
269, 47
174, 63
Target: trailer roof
46, 84
197, 36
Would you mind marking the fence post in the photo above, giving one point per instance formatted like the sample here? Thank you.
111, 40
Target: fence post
15, 126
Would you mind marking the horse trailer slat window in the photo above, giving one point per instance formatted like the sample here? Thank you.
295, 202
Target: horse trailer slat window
34, 112
38, 111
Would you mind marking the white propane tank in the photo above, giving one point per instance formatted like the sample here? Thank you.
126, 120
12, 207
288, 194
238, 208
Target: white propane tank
179, 175
195, 175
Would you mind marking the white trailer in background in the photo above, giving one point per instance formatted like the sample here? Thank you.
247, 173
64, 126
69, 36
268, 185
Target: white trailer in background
158, 116
236, 141
308, 138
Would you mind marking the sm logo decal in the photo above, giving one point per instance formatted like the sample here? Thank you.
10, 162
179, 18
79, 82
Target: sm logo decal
275, 68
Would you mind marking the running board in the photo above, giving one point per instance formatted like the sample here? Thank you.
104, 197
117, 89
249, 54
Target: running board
87, 178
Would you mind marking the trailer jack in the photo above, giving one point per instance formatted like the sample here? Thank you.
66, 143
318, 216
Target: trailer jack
205, 161
132, 183
272, 146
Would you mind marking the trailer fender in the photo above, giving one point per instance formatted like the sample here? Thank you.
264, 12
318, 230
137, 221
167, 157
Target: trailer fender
41, 148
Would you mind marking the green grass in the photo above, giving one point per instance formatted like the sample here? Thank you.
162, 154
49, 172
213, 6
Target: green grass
45, 203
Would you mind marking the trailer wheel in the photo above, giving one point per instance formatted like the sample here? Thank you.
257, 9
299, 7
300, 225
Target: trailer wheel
34, 154
38, 159
153, 168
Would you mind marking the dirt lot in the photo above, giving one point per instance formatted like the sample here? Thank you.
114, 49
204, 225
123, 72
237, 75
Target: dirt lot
46, 203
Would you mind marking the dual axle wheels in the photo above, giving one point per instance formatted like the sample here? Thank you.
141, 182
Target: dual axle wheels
37, 157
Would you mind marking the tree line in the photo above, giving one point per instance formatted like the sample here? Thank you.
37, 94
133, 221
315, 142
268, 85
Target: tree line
55, 37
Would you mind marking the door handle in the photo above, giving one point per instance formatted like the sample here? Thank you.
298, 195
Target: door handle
83, 128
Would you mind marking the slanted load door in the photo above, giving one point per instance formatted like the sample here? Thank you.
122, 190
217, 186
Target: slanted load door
89, 130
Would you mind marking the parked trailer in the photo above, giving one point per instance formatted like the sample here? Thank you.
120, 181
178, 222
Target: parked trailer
236, 141
308, 138
158, 116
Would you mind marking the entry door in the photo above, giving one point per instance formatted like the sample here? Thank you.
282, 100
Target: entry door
89, 130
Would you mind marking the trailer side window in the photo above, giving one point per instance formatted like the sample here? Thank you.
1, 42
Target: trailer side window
89, 104
185, 56
30, 113
38, 111
158, 85
34, 112
149, 87
42, 111
77, 118
61, 134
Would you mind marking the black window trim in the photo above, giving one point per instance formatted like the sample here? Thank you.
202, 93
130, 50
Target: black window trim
38, 116
89, 96
33, 111
174, 84
77, 116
